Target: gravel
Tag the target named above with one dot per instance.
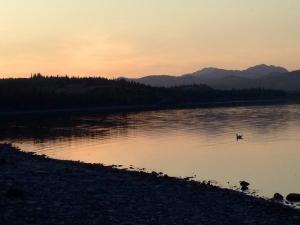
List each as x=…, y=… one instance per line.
x=36, y=190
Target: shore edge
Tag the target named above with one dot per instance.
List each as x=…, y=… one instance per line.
x=35, y=187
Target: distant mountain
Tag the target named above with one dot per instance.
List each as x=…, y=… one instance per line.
x=262, y=70
x=251, y=73
x=260, y=76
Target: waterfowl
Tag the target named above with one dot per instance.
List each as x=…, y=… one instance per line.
x=239, y=137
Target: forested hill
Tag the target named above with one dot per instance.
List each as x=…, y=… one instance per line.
x=39, y=92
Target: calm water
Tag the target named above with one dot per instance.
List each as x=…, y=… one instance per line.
x=183, y=143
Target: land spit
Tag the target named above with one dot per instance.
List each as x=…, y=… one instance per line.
x=36, y=190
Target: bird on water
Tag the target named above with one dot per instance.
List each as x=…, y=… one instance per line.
x=239, y=137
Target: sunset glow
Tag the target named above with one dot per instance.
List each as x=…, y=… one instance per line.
x=140, y=37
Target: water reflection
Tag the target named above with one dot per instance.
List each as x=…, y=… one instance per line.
x=178, y=142
x=214, y=121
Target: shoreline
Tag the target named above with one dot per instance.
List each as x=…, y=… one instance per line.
x=39, y=190
x=134, y=108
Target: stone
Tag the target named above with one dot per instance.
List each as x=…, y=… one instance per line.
x=293, y=197
x=244, y=185
x=15, y=193
x=278, y=197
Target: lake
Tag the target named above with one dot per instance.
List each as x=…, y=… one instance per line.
x=188, y=142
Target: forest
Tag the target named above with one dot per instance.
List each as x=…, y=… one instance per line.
x=56, y=92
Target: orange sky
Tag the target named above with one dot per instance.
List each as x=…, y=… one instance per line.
x=138, y=37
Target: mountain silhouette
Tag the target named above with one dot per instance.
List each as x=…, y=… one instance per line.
x=252, y=72
x=260, y=76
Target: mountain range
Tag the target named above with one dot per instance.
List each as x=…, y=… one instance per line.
x=260, y=76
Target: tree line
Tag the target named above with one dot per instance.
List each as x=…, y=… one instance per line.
x=45, y=92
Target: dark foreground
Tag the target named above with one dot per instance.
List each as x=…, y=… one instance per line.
x=37, y=190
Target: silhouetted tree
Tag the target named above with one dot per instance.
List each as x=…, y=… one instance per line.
x=41, y=92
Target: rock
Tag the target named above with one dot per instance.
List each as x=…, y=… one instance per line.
x=2, y=161
x=15, y=193
x=293, y=197
x=154, y=174
x=41, y=172
x=188, y=178
x=244, y=185
x=278, y=197
x=31, y=202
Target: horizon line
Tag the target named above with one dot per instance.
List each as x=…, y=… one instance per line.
x=114, y=76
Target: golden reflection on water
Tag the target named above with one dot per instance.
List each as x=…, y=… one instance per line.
x=197, y=142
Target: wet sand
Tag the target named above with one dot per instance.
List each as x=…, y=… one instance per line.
x=39, y=190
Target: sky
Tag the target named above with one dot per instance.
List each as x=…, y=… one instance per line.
x=133, y=38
